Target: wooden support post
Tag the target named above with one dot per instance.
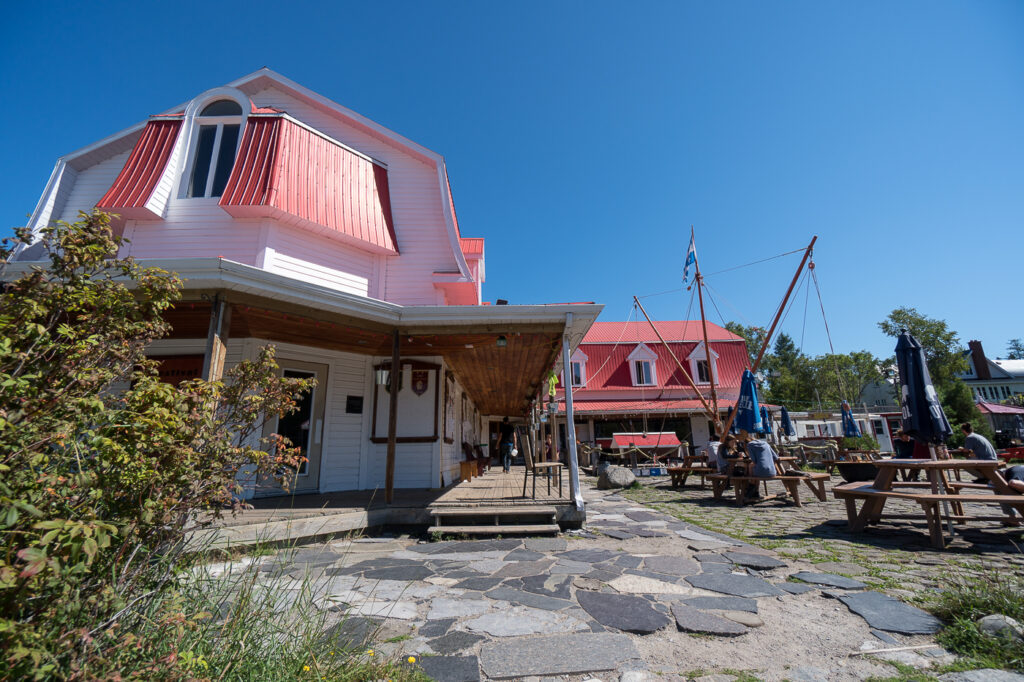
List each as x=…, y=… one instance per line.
x=394, y=379
x=217, y=339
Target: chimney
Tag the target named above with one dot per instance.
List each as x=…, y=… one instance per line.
x=980, y=363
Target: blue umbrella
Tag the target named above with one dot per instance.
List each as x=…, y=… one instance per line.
x=923, y=417
x=748, y=413
x=766, y=421
x=850, y=429
x=787, y=425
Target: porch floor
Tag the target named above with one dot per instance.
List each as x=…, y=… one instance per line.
x=299, y=517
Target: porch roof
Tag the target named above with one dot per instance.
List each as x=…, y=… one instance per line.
x=500, y=380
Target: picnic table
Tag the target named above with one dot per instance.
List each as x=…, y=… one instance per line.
x=692, y=464
x=790, y=480
x=938, y=490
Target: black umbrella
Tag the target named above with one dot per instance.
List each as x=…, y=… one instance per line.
x=923, y=417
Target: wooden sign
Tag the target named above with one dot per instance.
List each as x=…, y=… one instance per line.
x=174, y=369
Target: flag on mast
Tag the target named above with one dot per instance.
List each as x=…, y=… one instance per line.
x=691, y=258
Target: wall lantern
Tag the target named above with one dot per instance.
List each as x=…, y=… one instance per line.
x=502, y=341
x=383, y=376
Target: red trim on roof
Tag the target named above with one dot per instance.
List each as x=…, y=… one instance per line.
x=451, y=202
x=288, y=172
x=640, y=406
x=134, y=185
x=472, y=247
x=667, y=439
x=996, y=408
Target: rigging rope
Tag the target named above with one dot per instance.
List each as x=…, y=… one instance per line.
x=719, y=272
x=831, y=348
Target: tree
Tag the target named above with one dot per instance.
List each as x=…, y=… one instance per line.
x=1015, y=349
x=99, y=488
x=845, y=376
x=754, y=336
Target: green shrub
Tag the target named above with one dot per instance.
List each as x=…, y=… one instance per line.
x=864, y=442
x=99, y=487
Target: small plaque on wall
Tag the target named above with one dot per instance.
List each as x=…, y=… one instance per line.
x=354, y=404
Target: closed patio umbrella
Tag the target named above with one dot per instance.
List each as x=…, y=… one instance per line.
x=850, y=428
x=766, y=421
x=923, y=416
x=787, y=425
x=748, y=412
x=1018, y=426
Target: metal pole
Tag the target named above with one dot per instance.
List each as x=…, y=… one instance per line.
x=570, y=424
x=707, y=346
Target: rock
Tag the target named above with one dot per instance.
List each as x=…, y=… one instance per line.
x=478, y=584
x=454, y=642
x=575, y=654
x=530, y=599
x=751, y=620
x=796, y=588
x=689, y=619
x=636, y=584
x=885, y=613
x=617, y=534
x=829, y=580
x=628, y=561
x=672, y=565
x=722, y=604
x=806, y=673
x=622, y=612
x=844, y=567
x=570, y=568
x=735, y=585
x=546, y=544
x=885, y=637
x=592, y=584
x=549, y=585
x=643, y=516
x=445, y=607
x=588, y=556
x=705, y=545
x=615, y=477
x=717, y=677
x=451, y=668
x=636, y=676
x=523, y=620
x=1000, y=626
x=398, y=573
x=519, y=569
x=982, y=675
x=523, y=555
x=756, y=561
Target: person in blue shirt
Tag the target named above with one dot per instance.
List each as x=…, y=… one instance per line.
x=762, y=458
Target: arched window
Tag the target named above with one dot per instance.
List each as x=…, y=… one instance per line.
x=215, y=145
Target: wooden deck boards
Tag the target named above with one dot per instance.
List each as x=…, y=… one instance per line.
x=496, y=488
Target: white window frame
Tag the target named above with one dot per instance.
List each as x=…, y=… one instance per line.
x=643, y=354
x=577, y=358
x=193, y=122
x=697, y=354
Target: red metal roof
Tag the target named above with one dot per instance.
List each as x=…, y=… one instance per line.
x=284, y=170
x=636, y=332
x=639, y=406
x=135, y=183
x=646, y=440
x=996, y=408
x=472, y=247
x=607, y=367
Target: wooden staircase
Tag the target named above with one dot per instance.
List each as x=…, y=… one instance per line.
x=494, y=520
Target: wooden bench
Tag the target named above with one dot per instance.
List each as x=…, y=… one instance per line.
x=874, y=500
x=679, y=474
x=791, y=482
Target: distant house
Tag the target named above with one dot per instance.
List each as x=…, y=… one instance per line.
x=1003, y=419
x=298, y=222
x=625, y=381
x=992, y=380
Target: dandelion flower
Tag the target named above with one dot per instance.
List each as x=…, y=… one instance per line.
x=369, y=652
x=412, y=659
x=305, y=668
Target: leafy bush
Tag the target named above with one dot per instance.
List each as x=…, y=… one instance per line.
x=100, y=487
x=864, y=442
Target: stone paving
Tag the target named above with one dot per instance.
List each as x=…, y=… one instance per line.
x=671, y=601
x=895, y=556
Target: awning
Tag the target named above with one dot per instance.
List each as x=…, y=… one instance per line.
x=667, y=439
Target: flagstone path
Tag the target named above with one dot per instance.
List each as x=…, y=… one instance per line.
x=672, y=601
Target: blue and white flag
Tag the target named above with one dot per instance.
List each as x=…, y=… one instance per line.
x=691, y=259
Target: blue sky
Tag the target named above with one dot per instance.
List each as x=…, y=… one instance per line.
x=584, y=138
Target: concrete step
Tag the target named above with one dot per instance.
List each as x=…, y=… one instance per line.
x=532, y=529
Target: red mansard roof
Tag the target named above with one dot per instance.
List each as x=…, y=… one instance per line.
x=607, y=367
x=134, y=185
x=637, y=406
x=996, y=408
x=286, y=171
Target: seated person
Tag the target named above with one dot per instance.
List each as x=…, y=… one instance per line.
x=903, y=447
x=976, y=446
x=727, y=453
x=711, y=450
x=762, y=458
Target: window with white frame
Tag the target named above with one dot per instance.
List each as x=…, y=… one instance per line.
x=577, y=374
x=701, y=368
x=577, y=369
x=216, y=142
x=643, y=366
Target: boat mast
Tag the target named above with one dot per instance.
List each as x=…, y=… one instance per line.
x=771, y=330
x=707, y=347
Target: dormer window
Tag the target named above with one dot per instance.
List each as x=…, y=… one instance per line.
x=642, y=366
x=216, y=142
x=577, y=369
x=701, y=369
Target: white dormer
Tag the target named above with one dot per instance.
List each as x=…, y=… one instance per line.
x=577, y=369
x=643, y=366
x=700, y=371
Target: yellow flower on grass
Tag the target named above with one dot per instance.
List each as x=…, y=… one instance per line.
x=369, y=652
x=305, y=668
x=412, y=659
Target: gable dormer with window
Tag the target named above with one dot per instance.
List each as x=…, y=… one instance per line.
x=577, y=369
x=643, y=367
x=214, y=143
x=701, y=370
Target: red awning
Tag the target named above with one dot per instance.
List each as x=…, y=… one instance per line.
x=134, y=185
x=666, y=439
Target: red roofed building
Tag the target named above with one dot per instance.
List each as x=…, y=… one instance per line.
x=625, y=379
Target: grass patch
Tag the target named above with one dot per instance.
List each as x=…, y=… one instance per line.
x=969, y=598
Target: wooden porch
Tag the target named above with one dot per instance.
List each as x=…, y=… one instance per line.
x=305, y=518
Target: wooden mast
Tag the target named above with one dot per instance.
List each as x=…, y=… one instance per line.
x=686, y=375
x=704, y=326
x=771, y=330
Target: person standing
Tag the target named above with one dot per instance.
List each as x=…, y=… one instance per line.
x=507, y=441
